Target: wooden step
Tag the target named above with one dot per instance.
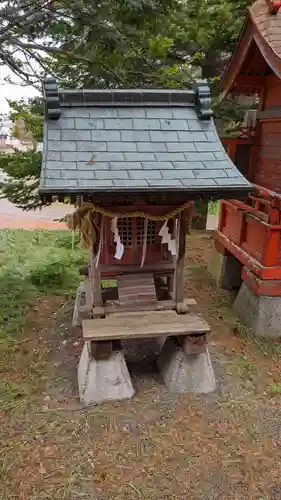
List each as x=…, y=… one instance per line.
x=136, y=288
x=143, y=325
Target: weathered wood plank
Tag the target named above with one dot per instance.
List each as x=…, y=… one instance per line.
x=159, y=305
x=193, y=344
x=160, y=268
x=98, y=312
x=95, y=278
x=129, y=280
x=133, y=297
x=130, y=290
x=134, y=283
x=182, y=307
x=184, y=221
x=136, y=288
x=144, y=325
x=101, y=350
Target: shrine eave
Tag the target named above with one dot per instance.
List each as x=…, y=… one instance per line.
x=261, y=33
x=134, y=141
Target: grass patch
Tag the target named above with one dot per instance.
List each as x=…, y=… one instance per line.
x=274, y=389
x=109, y=284
x=32, y=264
x=246, y=369
x=214, y=207
x=267, y=347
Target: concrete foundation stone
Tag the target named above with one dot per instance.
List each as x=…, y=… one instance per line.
x=102, y=380
x=260, y=313
x=83, y=303
x=226, y=270
x=184, y=373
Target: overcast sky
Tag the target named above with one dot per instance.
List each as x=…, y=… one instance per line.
x=15, y=92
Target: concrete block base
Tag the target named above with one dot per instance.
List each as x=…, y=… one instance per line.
x=105, y=379
x=184, y=373
x=226, y=270
x=260, y=313
x=82, y=307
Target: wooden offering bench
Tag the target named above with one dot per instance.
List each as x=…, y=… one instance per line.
x=134, y=160
x=144, y=305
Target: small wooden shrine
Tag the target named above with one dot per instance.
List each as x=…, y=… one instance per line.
x=134, y=161
x=249, y=231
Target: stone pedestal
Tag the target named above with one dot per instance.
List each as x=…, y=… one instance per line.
x=184, y=373
x=83, y=303
x=226, y=270
x=105, y=379
x=260, y=313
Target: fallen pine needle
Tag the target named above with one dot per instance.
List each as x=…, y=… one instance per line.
x=135, y=489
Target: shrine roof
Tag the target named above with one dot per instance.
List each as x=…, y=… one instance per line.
x=268, y=25
x=258, y=49
x=136, y=141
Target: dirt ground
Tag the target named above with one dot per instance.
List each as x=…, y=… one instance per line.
x=14, y=218
x=224, y=446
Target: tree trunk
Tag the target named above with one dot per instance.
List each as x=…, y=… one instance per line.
x=211, y=67
x=200, y=220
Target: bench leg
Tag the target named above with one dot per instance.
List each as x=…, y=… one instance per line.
x=185, y=373
x=103, y=379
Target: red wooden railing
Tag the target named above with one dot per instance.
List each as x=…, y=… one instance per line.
x=251, y=230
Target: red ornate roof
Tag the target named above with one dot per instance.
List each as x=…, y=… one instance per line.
x=258, y=50
x=268, y=25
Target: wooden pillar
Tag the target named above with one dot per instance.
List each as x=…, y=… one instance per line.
x=99, y=350
x=170, y=279
x=184, y=223
x=94, y=270
x=95, y=278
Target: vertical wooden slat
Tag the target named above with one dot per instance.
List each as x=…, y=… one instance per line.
x=95, y=280
x=184, y=221
x=271, y=247
x=274, y=212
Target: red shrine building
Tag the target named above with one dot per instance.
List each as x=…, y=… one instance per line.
x=249, y=233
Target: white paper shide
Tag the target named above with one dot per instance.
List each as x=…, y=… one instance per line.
x=167, y=238
x=116, y=238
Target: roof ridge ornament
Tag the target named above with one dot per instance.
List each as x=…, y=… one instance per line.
x=274, y=6
x=203, y=100
x=51, y=97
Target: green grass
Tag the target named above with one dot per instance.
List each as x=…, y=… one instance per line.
x=274, y=389
x=214, y=207
x=32, y=264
